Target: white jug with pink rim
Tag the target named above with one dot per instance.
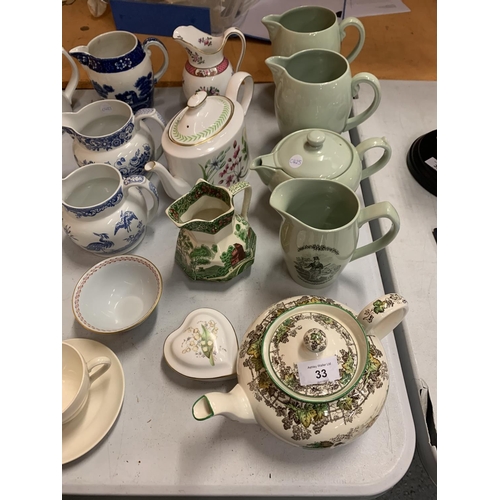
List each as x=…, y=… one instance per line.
x=207, y=68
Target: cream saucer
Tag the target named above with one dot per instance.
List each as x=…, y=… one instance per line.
x=105, y=400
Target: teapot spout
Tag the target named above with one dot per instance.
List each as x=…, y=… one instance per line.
x=175, y=187
x=81, y=54
x=234, y=405
x=264, y=166
x=272, y=24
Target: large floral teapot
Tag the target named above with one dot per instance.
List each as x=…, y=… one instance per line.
x=311, y=371
x=207, y=140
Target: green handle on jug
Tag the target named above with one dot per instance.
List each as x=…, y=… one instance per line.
x=356, y=23
x=380, y=210
x=371, y=80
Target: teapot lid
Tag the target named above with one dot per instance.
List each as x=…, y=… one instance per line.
x=203, y=118
x=315, y=153
x=316, y=352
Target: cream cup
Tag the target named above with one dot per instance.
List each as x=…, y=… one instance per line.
x=77, y=377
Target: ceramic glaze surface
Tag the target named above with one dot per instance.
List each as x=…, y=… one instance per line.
x=206, y=69
x=77, y=377
x=204, y=347
x=117, y=294
x=320, y=228
x=119, y=67
x=103, y=405
x=321, y=154
x=67, y=93
x=314, y=89
x=100, y=211
x=315, y=415
x=310, y=27
x=109, y=132
x=207, y=140
x=214, y=243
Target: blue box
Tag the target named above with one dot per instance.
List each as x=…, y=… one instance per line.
x=160, y=19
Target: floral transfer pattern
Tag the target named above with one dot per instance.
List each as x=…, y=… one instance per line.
x=380, y=306
x=108, y=142
x=179, y=207
x=236, y=167
x=96, y=209
x=303, y=421
x=289, y=373
x=112, y=64
x=134, y=165
x=202, y=341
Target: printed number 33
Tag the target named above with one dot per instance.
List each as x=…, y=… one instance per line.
x=320, y=373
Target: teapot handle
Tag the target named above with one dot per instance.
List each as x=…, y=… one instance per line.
x=237, y=32
x=240, y=186
x=374, y=142
x=145, y=184
x=144, y=113
x=381, y=316
x=371, y=80
x=234, y=86
x=157, y=43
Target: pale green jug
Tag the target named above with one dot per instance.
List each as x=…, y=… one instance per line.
x=310, y=27
x=314, y=89
x=320, y=228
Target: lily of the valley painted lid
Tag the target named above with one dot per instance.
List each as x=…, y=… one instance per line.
x=315, y=353
x=313, y=153
x=203, y=118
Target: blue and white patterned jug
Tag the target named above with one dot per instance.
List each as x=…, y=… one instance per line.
x=107, y=131
x=101, y=214
x=119, y=67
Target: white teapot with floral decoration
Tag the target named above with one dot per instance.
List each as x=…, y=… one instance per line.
x=311, y=371
x=207, y=140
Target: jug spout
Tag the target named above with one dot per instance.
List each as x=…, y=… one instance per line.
x=175, y=187
x=234, y=405
x=273, y=25
x=69, y=123
x=277, y=65
x=81, y=54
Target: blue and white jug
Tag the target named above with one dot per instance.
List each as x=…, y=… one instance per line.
x=119, y=67
x=101, y=214
x=109, y=132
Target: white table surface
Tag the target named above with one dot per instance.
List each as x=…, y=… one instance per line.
x=155, y=446
x=407, y=111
